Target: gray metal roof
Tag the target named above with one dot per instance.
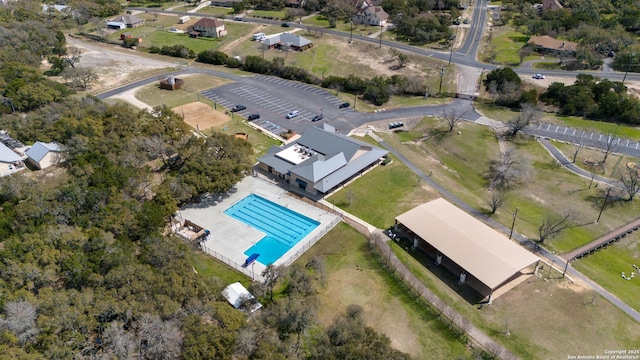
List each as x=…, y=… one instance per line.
x=39, y=150
x=7, y=155
x=286, y=39
x=334, y=161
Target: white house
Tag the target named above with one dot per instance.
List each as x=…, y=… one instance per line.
x=42, y=155
x=371, y=15
x=236, y=295
x=10, y=162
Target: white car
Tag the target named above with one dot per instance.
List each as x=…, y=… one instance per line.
x=293, y=114
x=538, y=76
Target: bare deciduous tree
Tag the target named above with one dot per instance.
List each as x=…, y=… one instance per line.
x=158, y=339
x=553, y=224
x=496, y=201
x=73, y=56
x=526, y=116
x=452, y=116
x=350, y=195
x=118, y=342
x=577, y=146
x=20, y=319
x=610, y=144
x=506, y=172
x=271, y=276
x=631, y=182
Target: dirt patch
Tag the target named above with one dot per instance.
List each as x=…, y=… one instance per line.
x=201, y=116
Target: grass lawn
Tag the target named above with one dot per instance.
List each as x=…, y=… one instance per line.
x=382, y=194
x=154, y=96
x=213, y=270
x=605, y=267
x=506, y=42
x=355, y=276
x=546, y=320
x=611, y=168
x=457, y=162
x=317, y=20
x=547, y=65
x=216, y=10
x=259, y=141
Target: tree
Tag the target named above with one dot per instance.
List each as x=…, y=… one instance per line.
x=524, y=51
x=577, y=146
x=80, y=78
x=610, y=144
x=158, y=339
x=526, y=116
x=271, y=276
x=506, y=172
x=73, y=56
x=57, y=64
x=118, y=342
x=496, y=201
x=553, y=224
x=631, y=182
x=452, y=116
x=20, y=319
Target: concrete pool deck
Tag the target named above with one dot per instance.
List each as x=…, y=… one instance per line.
x=230, y=238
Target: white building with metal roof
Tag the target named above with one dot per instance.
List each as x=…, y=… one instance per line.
x=10, y=162
x=320, y=161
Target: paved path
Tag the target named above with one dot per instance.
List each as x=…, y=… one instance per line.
x=604, y=239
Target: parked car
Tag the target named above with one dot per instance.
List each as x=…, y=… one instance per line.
x=285, y=25
x=465, y=21
x=293, y=114
x=317, y=118
x=344, y=105
x=238, y=107
x=538, y=76
x=253, y=117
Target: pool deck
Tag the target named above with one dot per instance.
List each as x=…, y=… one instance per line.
x=231, y=238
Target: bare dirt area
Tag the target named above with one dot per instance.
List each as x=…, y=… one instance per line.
x=201, y=116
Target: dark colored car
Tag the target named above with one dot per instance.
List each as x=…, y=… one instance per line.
x=238, y=107
x=253, y=117
x=285, y=25
x=317, y=118
x=344, y=105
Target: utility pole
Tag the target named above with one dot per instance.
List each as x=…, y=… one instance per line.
x=633, y=56
x=513, y=224
x=351, y=33
x=442, y=71
x=381, y=28
x=453, y=43
x=604, y=203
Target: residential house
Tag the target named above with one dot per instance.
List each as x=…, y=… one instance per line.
x=548, y=45
x=131, y=21
x=126, y=35
x=294, y=41
x=550, y=5
x=295, y=3
x=42, y=155
x=371, y=15
x=320, y=161
x=10, y=162
x=207, y=27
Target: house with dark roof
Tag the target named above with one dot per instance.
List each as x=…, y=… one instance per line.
x=42, y=155
x=224, y=3
x=371, y=15
x=320, y=161
x=548, y=45
x=206, y=27
x=10, y=162
x=293, y=41
x=130, y=21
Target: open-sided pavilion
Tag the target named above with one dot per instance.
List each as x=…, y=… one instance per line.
x=485, y=259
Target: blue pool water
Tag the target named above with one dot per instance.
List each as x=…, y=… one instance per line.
x=284, y=228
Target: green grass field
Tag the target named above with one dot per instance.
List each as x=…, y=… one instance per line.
x=216, y=10
x=153, y=95
x=355, y=276
x=506, y=42
x=275, y=14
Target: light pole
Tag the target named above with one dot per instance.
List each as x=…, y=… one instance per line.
x=513, y=224
x=633, y=57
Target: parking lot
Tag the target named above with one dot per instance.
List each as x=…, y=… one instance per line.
x=273, y=98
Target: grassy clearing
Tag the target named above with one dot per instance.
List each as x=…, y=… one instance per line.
x=547, y=65
x=355, y=276
x=216, y=10
x=154, y=96
x=611, y=168
x=605, y=267
x=506, y=42
x=317, y=20
x=213, y=270
x=546, y=320
x=259, y=141
x=382, y=194
x=275, y=14
x=458, y=163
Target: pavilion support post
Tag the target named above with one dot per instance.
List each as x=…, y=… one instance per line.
x=395, y=225
x=438, y=259
x=415, y=242
x=535, y=271
x=490, y=298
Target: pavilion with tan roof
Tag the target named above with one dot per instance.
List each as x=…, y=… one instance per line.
x=485, y=259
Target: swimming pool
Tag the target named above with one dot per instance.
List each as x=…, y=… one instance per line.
x=283, y=227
